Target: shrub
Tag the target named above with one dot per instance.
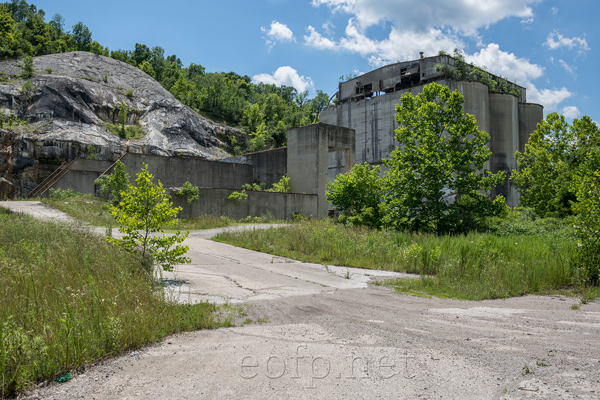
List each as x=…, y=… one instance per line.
x=144, y=209
x=239, y=196
x=113, y=185
x=189, y=192
x=357, y=195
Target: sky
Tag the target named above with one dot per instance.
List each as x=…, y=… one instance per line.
x=548, y=46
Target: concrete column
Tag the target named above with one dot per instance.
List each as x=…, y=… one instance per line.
x=504, y=142
x=529, y=116
x=308, y=161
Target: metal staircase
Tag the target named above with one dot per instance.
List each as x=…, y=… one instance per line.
x=51, y=179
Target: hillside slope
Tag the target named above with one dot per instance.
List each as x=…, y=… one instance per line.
x=68, y=103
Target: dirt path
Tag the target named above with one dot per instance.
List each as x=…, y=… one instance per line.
x=326, y=336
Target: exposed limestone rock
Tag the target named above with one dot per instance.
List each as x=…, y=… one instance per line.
x=71, y=99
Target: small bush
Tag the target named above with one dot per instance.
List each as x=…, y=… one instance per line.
x=357, y=195
x=239, y=196
x=112, y=185
x=189, y=192
x=27, y=67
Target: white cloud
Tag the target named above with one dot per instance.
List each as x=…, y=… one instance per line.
x=569, y=68
x=463, y=15
x=571, y=112
x=278, y=32
x=287, y=76
x=314, y=39
x=386, y=51
x=549, y=98
x=498, y=62
x=433, y=25
x=554, y=10
x=555, y=41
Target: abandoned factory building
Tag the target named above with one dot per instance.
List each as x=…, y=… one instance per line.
x=367, y=105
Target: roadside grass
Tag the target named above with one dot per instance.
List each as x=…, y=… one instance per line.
x=68, y=298
x=475, y=266
x=83, y=207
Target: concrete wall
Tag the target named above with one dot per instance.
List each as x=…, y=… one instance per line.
x=269, y=165
x=81, y=176
x=308, y=158
x=258, y=204
x=174, y=171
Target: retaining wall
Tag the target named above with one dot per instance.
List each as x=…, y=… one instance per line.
x=258, y=204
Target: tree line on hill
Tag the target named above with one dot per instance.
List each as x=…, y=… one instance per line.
x=264, y=111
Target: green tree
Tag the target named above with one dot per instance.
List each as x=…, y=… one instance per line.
x=115, y=184
x=147, y=68
x=123, y=110
x=81, y=36
x=586, y=184
x=259, y=139
x=436, y=176
x=551, y=157
x=144, y=210
x=357, y=195
x=27, y=67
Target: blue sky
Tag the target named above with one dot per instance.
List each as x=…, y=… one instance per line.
x=548, y=46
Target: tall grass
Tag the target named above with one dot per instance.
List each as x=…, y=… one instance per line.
x=473, y=266
x=83, y=207
x=68, y=298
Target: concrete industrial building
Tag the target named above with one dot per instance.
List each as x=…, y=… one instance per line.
x=367, y=105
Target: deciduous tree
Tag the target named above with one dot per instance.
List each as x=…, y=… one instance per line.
x=551, y=157
x=436, y=180
x=145, y=209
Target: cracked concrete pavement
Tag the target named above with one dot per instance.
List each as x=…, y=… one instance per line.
x=328, y=336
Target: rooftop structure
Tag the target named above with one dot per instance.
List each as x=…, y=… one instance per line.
x=405, y=75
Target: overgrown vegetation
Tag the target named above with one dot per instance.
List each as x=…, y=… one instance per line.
x=124, y=131
x=189, y=192
x=265, y=112
x=112, y=185
x=435, y=180
x=469, y=71
x=586, y=185
x=85, y=208
x=550, y=161
x=68, y=298
x=283, y=186
x=497, y=264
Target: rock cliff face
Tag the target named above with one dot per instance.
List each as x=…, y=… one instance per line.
x=67, y=104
